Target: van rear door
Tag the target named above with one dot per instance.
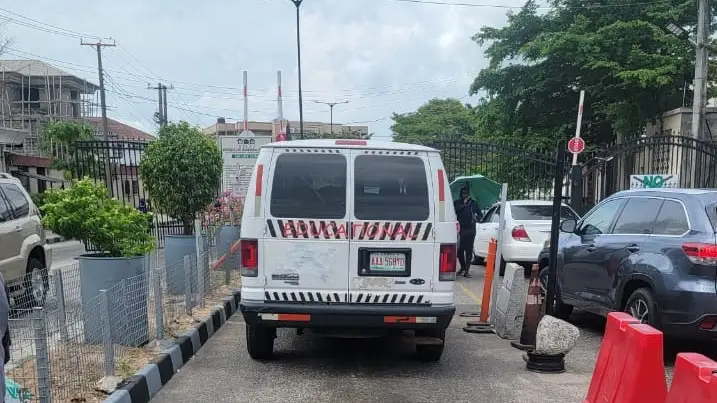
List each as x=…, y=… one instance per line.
x=392, y=258
x=306, y=246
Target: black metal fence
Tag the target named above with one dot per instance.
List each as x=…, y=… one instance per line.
x=655, y=161
x=530, y=174
x=122, y=157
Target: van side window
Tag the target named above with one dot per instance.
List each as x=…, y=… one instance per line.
x=392, y=188
x=671, y=220
x=309, y=186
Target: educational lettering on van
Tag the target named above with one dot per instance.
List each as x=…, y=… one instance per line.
x=363, y=231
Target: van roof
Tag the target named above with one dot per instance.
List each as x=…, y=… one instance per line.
x=332, y=143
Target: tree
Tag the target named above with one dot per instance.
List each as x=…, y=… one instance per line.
x=630, y=66
x=182, y=172
x=60, y=138
x=438, y=119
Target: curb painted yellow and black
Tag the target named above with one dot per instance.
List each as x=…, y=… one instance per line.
x=143, y=385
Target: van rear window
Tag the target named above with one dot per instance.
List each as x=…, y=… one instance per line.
x=388, y=187
x=309, y=186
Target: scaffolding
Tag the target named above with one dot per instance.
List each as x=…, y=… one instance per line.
x=34, y=94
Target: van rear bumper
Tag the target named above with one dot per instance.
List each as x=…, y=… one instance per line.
x=346, y=316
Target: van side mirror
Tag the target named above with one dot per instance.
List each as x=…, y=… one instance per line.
x=569, y=225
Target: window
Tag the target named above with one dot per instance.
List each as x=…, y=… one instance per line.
x=671, y=220
x=598, y=221
x=135, y=186
x=539, y=213
x=638, y=216
x=4, y=210
x=712, y=214
x=495, y=217
x=309, y=186
x=125, y=187
x=390, y=188
x=489, y=214
x=17, y=200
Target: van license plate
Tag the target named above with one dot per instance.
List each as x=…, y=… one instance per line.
x=388, y=262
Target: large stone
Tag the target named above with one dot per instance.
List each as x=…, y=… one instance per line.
x=510, y=303
x=108, y=384
x=555, y=336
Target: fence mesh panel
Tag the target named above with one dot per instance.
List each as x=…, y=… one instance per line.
x=64, y=346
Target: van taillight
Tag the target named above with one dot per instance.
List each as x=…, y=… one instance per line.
x=249, y=254
x=447, y=262
x=701, y=253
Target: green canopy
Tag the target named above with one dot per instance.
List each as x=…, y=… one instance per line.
x=483, y=190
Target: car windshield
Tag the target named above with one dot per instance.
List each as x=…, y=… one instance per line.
x=539, y=212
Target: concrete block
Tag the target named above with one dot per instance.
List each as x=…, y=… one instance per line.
x=510, y=303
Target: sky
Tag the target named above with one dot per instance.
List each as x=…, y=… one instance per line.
x=382, y=56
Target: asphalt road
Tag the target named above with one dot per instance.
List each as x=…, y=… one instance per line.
x=474, y=368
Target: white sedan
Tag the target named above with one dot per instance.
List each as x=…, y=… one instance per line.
x=527, y=227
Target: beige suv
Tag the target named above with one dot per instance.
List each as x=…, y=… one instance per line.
x=23, y=257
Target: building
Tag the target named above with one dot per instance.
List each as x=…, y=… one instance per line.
x=34, y=93
x=311, y=129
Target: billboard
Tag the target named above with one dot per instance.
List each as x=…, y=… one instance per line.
x=239, y=155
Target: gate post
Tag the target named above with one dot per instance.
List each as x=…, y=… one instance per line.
x=576, y=189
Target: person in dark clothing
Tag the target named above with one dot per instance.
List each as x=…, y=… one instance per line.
x=468, y=215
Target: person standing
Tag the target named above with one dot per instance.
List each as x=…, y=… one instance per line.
x=468, y=215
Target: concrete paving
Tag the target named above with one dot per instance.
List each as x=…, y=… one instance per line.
x=474, y=368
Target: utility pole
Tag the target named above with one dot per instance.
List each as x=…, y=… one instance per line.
x=297, y=3
x=331, y=108
x=103, y=105
x=162, y=119
x=701, y=69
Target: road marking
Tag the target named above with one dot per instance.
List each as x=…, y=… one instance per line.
x=469, y=293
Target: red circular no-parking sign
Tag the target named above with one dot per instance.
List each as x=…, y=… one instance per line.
x=576, y=145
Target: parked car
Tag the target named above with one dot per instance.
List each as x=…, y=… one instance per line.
x=649, y=252
x=527, y=226
x=23, y=257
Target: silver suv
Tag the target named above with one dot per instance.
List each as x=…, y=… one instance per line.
x=23, y=256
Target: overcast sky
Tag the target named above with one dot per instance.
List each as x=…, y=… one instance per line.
x=382, y=56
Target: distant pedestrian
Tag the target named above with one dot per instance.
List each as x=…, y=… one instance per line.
x=5, y=331
x=468, y=215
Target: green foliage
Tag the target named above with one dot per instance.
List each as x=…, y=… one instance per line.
x=85, y=212
x=630, y=66
x=439, y=119
x=39, y=199
x=59, y=140
x=182, y=172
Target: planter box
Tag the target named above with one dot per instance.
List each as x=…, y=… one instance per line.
x=175, y=248
x=227, y=235
x=126, y=282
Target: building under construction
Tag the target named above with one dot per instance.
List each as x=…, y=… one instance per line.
x=33, y=94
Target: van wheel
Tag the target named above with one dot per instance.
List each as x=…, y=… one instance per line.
x=260, y=341
x=35, y=285
x=431, y=352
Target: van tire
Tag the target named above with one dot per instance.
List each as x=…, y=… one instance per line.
x=431, y=352
x=260, y=341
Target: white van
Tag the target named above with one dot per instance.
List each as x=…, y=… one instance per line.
x=348, y=237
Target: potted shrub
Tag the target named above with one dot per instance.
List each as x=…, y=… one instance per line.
x=182, y=172
x=121, y=236
x=223, y=220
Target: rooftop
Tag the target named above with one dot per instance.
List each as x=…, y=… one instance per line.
x=122, y=130
x=359, y=144
x=39, y=68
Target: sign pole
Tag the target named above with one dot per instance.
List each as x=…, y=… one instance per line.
x=580, y=122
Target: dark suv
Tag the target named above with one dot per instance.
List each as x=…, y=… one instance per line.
x=649, y=252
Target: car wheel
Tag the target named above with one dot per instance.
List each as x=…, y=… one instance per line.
x=260, y=341
x=35, y=285
x=477, y=260
x=560, y=310
x=431, y=352
x=641, y=305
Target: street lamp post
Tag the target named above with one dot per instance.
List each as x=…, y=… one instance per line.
x=331, y=108
x=297, y=3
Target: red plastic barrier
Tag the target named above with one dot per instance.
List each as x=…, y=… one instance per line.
x=630, y=358
x=694, y=380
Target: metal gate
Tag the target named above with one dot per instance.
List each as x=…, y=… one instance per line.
x=122, y=157
x=530, y=174
x=677, y=161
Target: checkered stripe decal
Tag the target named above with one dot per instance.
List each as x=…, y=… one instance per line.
x=361, y=231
